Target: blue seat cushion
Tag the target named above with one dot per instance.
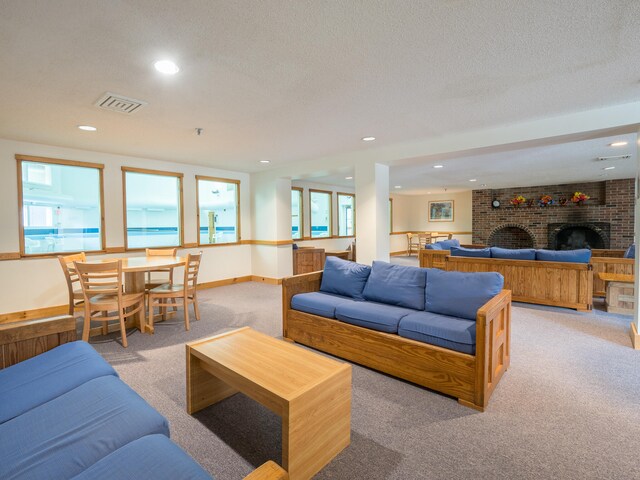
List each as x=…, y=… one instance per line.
x=513, y=253
x=152, y=456
x=433, y=246
x=343, y=277
x=396, y=285
x=68, y=434
x=447, y=244
x=448, y=332
x=318, y=303
x=471, y=252
x=460, y=294
x=37, y=380
x=631, y=251
x=582, y=255
x=376, y=316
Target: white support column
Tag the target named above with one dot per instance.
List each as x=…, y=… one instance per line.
x=372, y=212
x=635, y=325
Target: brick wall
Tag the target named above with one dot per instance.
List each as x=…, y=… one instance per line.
x=611, y=201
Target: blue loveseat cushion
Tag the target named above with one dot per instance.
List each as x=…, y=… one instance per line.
x=376, y=316
x=447, y=244
x=318, y=303
x=37, y=380
x=152, y=456
x=433, y=246
x=448, y=332
x=513, y=253
x=68, y=434
x=344, y=278
x=471, y=252
x=396, y=285
x=631, y=251
x=582, y=255
x=460, y=294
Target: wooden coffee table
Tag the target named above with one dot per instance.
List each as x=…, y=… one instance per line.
x=311, y=393
x=620, y=290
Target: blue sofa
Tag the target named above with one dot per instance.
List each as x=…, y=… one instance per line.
x=432, y=327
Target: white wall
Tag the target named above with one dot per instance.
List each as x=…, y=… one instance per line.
x=35, y=283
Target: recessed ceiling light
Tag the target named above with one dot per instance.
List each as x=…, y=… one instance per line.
x=618, y=144
x=438, y=166
x=348, y=178
x=167, y=67
x=608, y=168
x=265, y=161
x=398, y=186
x=473, y=179
x=368, y=139
x=87, y=128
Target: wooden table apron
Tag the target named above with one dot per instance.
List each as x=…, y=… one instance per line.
x=134, y=269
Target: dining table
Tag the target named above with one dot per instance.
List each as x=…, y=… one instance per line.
x=134, y=269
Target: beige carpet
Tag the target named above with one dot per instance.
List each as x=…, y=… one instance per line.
x=568, y=408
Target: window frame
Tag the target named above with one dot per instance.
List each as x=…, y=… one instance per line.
x=69, y=163
x=352, y=195
x=313, y=190
x=390, y=216
x=224, y=180
x=301, y=213
x=146, y=171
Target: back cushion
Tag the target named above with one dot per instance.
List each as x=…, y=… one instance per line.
x=396, y=285
x=513, y=254
x=631, y=251
x=470, y=252
x=447, y=244
x=433, y=246
x=573, y=256
x=460, y=294
x=344, y=278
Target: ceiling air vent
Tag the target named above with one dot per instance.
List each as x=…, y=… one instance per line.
x=119, y=103
x=615, y=157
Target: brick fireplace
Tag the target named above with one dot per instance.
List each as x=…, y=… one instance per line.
x=605, y=221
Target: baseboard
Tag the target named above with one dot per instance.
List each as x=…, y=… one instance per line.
x=635, y=337
x=269, y=280
x=223, y=282
x=34, y=314
x=401, y=253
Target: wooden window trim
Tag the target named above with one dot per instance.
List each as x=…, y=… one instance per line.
x=391, y=217
x=301, y=212
x=313, y=190
x=344, y=194
x=69, y=163
x=145, y=171
x=238, y=216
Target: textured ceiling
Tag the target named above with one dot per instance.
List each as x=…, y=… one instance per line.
x=289, y=81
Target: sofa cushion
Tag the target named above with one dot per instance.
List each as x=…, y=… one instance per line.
x=631, y=251
x=376, y=316
x=513, y=253
x=582, y=255
x=449, y=332
x=460, y=294
x=318, y=303
x=433, y=246
x=396, y=285
x=152, y=456
x=44, y=377
x=471, y=252
x=68, y=434
x=343, y=277
x=447, y=244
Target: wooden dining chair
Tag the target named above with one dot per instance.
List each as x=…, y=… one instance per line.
x=102, y=288
x=412, y=243
x=423, y=240
x=159, y=252
x=164, y=295
x=76, y=297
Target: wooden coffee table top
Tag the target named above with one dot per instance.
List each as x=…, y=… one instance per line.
x=279, y=367
x=616, y=277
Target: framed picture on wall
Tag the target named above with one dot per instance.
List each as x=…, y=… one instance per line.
x=441, y=211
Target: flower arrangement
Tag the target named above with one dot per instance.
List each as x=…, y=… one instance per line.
x=545, y=200
x=579, y=198
x=517, y=201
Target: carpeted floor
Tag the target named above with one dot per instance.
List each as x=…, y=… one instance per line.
x=568, y=408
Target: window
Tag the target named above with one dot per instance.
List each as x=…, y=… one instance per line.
x=153, y=208
x=218, y=210
x=391, y=215
x=297, y=218
x=320, y=206
x=61, y=205
x=346, y=214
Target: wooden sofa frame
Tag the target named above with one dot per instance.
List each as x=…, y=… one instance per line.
x=469, y=378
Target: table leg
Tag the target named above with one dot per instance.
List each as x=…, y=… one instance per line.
x=203, y=388
x=317, y=426
x=134, y=283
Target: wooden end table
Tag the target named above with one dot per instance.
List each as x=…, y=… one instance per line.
x=312, y=393
x=620, y=290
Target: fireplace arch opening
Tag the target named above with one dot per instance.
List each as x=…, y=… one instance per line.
x=572, y=236
x=512, y=236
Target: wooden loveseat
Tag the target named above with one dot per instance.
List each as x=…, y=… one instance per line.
x=470, y=378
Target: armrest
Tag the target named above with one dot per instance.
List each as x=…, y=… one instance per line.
x=28, y=329
x=491, y=309
x=305, y=283
x=268, y=471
